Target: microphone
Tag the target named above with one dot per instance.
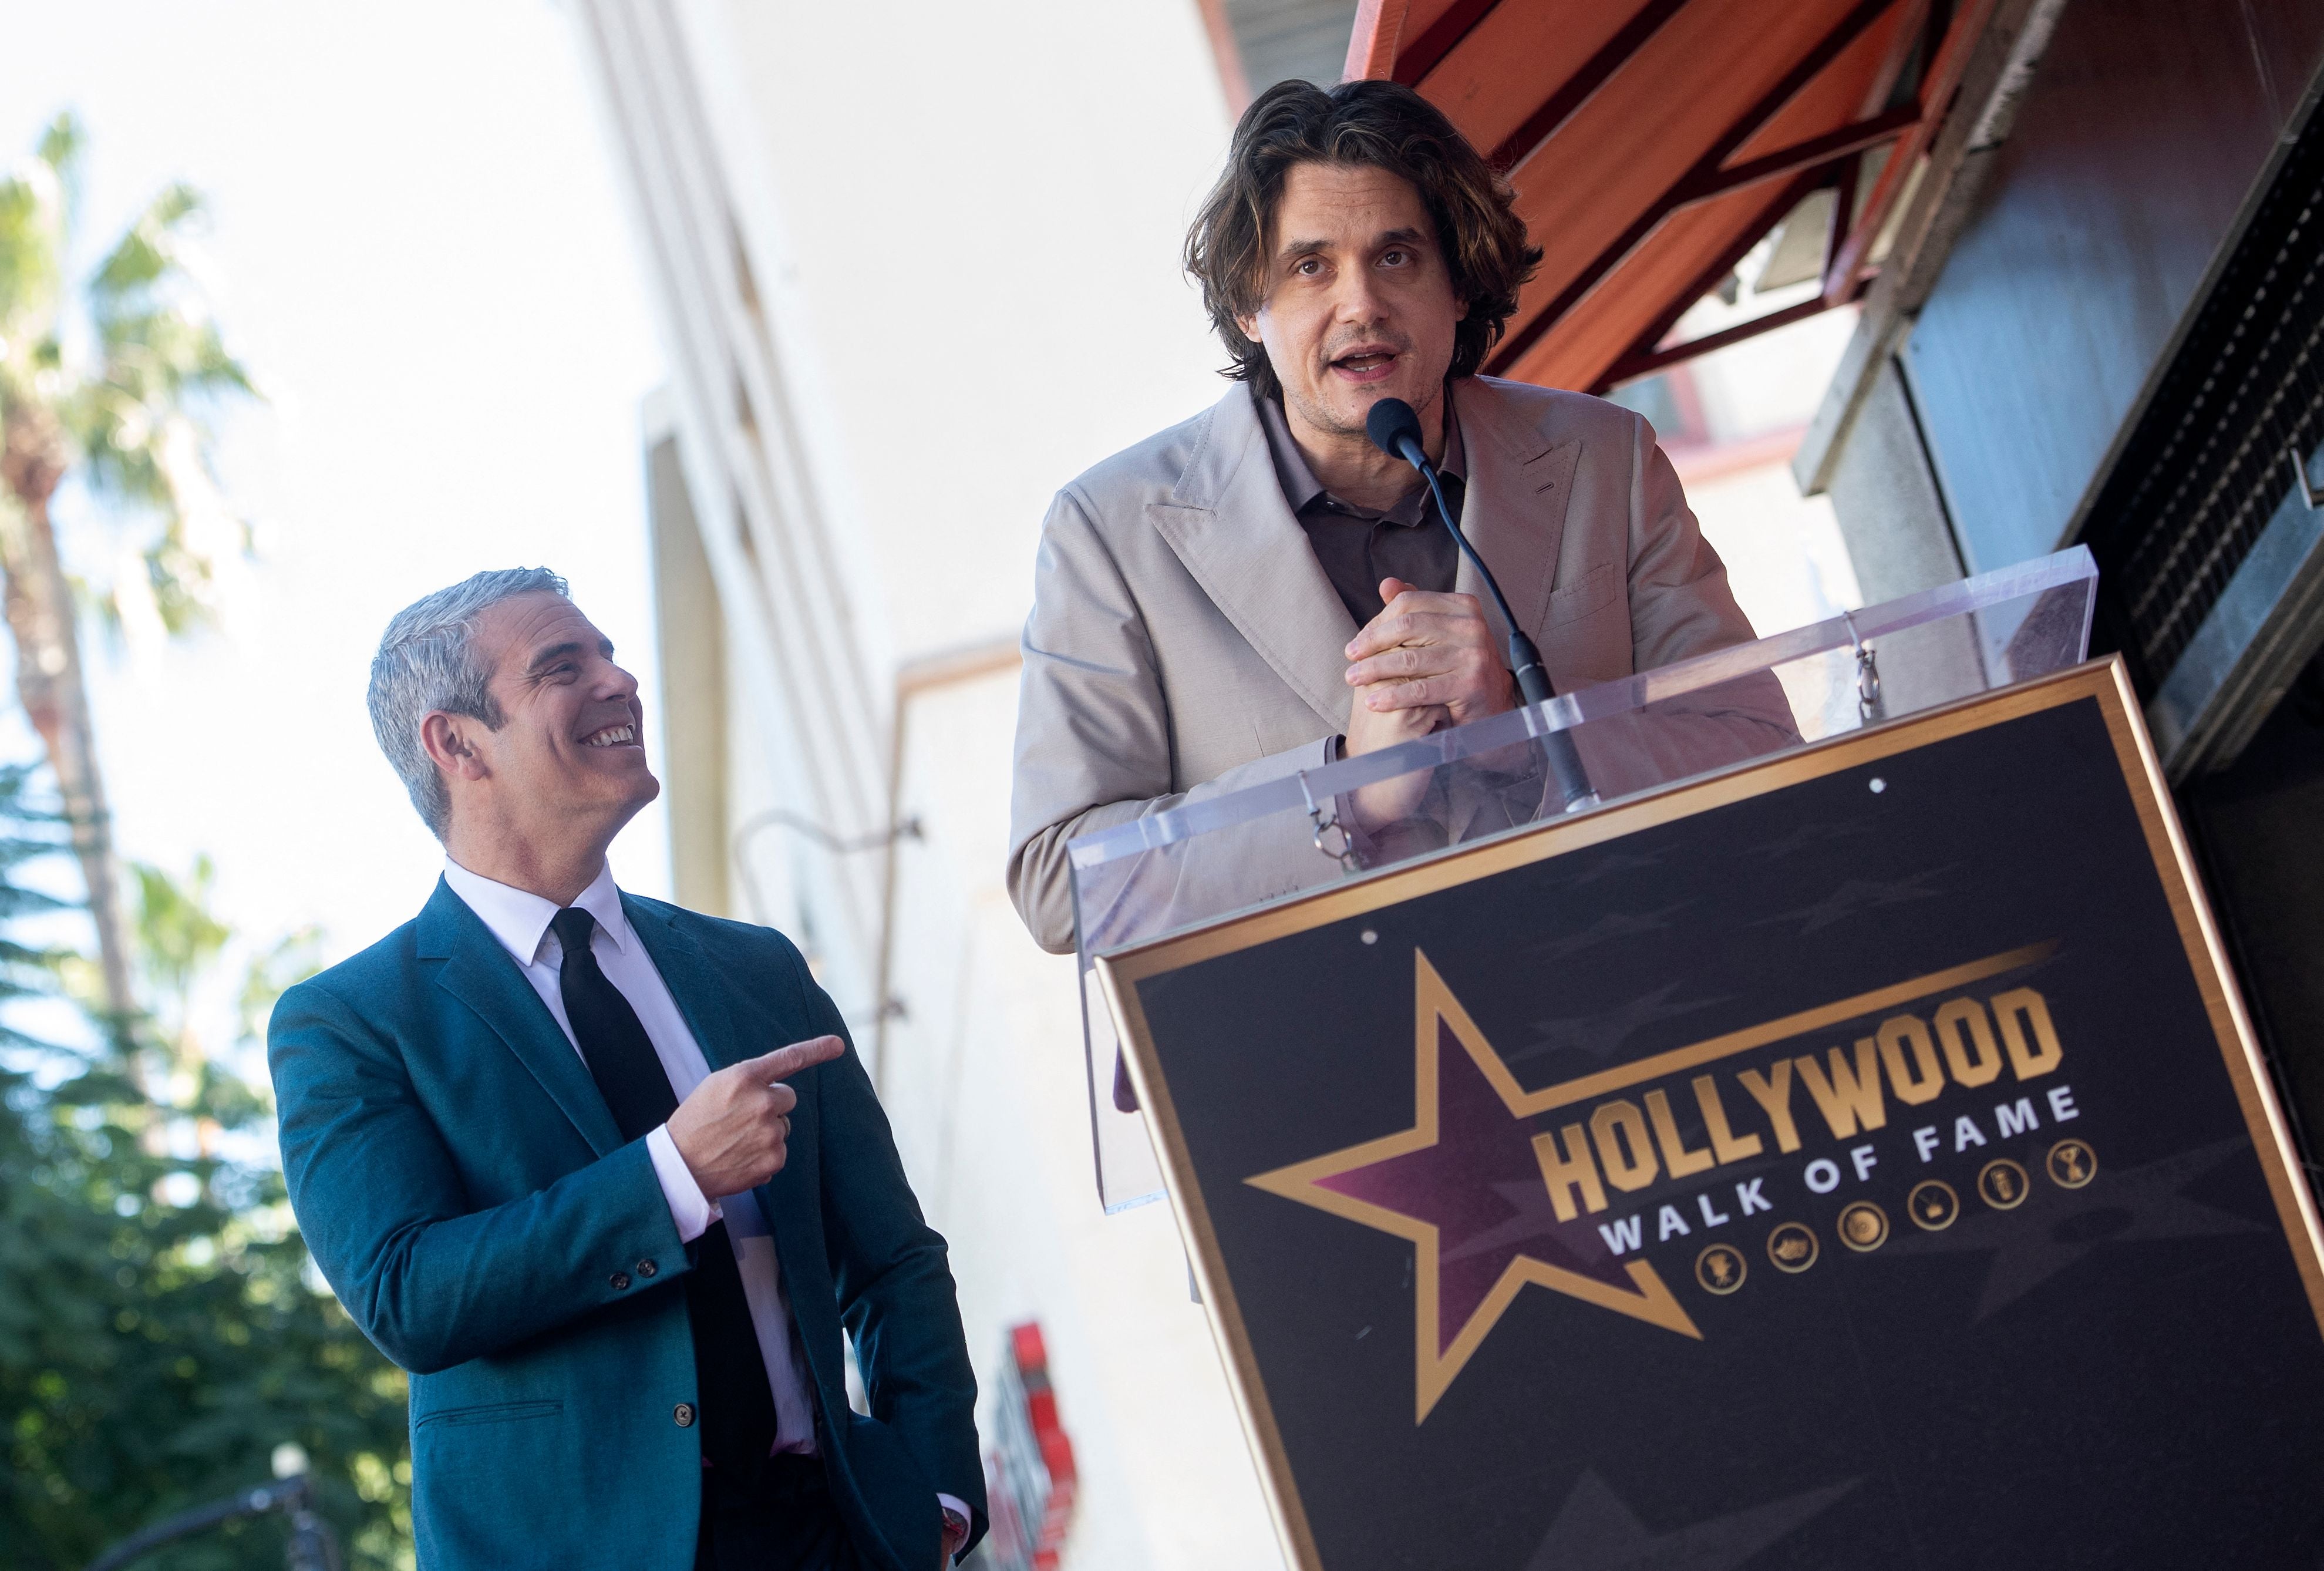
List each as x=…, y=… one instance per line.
x=1395, y=429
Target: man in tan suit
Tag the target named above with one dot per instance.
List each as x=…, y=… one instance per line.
x=1260, y=590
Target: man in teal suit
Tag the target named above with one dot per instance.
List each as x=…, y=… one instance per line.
x=606, y=1176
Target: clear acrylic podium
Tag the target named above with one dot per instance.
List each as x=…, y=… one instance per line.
x=1227, y=855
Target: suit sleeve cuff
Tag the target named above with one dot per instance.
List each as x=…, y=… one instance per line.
x=688, y=1208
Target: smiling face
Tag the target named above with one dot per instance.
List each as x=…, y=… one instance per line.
x=1358, y=303
x=567, y=765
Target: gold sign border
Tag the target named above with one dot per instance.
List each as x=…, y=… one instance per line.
x=2106, y=681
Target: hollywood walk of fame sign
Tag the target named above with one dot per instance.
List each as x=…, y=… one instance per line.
x=1860, y=1158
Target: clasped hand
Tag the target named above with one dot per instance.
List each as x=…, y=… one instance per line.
x=734, y=1130
x=1426, y=661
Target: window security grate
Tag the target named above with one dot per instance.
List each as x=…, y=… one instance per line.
x=2240, y=409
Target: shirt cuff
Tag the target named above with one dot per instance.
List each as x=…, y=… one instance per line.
x=958, y=1508
x=688, y=1208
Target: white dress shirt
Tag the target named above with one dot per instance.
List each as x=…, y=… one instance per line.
x=519, y=920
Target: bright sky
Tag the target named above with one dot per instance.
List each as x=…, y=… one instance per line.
x=418, y=246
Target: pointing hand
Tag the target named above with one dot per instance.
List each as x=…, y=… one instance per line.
x=734, y=1130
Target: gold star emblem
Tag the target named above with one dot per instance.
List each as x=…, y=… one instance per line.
x=1466, y=1188
x=1412, y=1184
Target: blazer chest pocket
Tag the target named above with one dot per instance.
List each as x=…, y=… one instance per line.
x=1591, y=591
x=491, y=1413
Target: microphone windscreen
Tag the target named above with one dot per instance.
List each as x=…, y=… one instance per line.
x=1391, y=424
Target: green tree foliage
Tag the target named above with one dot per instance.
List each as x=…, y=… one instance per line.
x=161, y=1331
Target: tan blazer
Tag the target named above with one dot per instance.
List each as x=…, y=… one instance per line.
x=1185, y=640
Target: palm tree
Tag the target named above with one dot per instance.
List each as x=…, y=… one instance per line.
x=115, y=395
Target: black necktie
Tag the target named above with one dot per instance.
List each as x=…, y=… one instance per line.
x=738, y=1410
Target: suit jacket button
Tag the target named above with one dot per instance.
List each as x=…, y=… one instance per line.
x=682, y=1415
x=620, y=1280
x=647, y=1267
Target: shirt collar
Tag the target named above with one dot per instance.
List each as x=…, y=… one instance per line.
x=519, y=918
x=1456, y=451
x=1300, y=486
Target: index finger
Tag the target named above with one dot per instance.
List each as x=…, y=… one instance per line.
x=1440, y=602
x=784, y=1062
x=1394, y=626
x=1367, y=641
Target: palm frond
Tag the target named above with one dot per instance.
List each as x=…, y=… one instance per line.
x=37, y=199
x=15, y=901
x=32, y=241
x=175, y=928
x=160, y=354
x=140, y=416
x=61, y=144
x=150, y=251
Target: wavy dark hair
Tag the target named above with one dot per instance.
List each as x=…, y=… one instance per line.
x=1390, y=127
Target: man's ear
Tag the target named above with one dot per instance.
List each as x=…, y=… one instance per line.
x=450, y=742
x=1460, y=309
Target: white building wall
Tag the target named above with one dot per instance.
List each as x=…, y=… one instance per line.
x=969, y=218
x=916, y=264
x=983, y=1078
x=917, y=267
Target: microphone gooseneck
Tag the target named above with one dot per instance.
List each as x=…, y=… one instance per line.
x=1394, y=429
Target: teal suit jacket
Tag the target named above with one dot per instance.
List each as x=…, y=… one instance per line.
x=463, y=1189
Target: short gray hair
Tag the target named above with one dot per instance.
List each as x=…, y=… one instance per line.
x=426, y=662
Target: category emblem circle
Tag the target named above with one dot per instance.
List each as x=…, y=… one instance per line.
x=2003, y=1184
x=1721, y=1268
x=1863, y=1226
x=2072, y=1164
x=1793, y=1247
x=1932, y=1206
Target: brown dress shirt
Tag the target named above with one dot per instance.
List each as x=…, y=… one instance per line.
x=1359, y=545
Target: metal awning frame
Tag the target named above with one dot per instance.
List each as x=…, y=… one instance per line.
x=1834, y=160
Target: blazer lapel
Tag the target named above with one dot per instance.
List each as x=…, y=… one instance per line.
x=699, y=992
x=1229, y=523
x=479, y=973
x=1514, y=510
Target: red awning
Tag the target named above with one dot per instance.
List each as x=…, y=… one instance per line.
x=1653, y=142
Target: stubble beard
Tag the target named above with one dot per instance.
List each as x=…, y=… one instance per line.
x=1321, y=418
